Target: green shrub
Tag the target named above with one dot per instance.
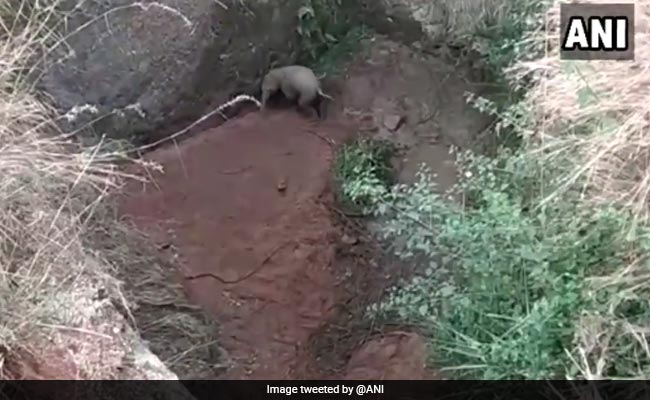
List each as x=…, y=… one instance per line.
x=511, y=35
x=509, y=281
x=363, y=173
x=527, y=277
x=327, y=35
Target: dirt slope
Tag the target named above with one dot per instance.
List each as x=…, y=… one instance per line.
x=245, y=207
x=242, y=199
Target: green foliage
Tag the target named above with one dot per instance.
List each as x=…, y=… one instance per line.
x=363, y=172
x=327, y=35
x=517, y=284
x=513, y=122
x=329, y=61
x=508, y=284
x=509, y=290
x=512, y=36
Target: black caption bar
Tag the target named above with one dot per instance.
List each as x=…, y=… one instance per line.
x=336, y=390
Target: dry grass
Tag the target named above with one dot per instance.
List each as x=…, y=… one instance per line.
x=609, y=98
x=48, y=191
x=176, y=331
x=465, y=17
x=594, y=118
x=63, y=254
x=56, y=292
x=459, y=19
x=595, y=115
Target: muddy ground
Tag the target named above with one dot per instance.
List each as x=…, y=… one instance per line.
x=247, y=209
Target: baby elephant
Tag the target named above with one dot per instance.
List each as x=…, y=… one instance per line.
x=296, y=83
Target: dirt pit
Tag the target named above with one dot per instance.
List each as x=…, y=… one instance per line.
x=245, y=204
x=247, y=210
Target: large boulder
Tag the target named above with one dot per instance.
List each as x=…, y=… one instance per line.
x=135, y=67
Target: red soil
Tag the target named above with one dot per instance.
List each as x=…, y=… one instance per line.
x=244, y=206
x=395, y=356
x=245, y=203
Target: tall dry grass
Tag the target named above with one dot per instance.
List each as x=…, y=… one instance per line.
x=63, y=254
x=49, y=190
x=466, y=17
x=607, y=98
x=594, y=117
x=461, y=20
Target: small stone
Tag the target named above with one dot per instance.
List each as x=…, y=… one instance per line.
x=367, y=118
x=282, y=185
x=393, y=122
x=349, y=240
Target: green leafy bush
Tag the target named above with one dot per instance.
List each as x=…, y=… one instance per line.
x=327, y=35
x=527, y=277
x=510, y=277
x=363, y=172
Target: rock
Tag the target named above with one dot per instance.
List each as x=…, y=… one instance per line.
x=349, y=240
x=367, y=123
x=395, y=356
x=367, y=118
x=282, y=185
x=143, y=65
x=135, y=68
x=393, y=122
